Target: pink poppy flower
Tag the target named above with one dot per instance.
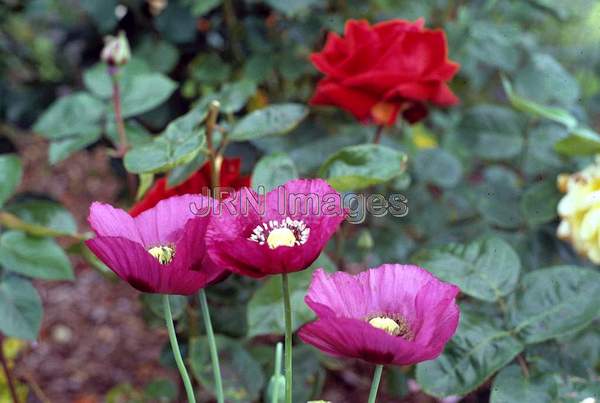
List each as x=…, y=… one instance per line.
x=281, y=232
x=160, y=251
x=394, y=314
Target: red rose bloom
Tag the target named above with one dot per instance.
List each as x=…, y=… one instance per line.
x=198, y=183
x=378, y=71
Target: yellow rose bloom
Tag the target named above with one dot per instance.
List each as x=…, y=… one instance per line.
x=579, y=211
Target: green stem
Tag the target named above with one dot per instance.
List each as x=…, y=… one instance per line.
x=277, y=373
x=288, y=337
x=375, y=384
x=212, y=345
x=189, y=390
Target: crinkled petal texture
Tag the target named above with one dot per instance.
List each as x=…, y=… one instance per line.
x=312, y=201
x=395, y=62
x=344, y=303
x=122, y=243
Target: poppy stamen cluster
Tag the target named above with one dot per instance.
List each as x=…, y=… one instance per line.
x=286, y=232
x=164, y=254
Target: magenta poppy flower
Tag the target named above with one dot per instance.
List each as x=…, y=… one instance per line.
x=394, y=314
x=281, y=232
x=160, y=251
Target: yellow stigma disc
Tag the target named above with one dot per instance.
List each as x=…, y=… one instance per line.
x=281, y=237
x=387, y=324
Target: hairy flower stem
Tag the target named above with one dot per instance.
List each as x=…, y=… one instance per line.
x=8, y=373
x=375, y=384
x=211, y=122
x=187, y=383
x=288, y=337
x=212, y=345
x=116, y=98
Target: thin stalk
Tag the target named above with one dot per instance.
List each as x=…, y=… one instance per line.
x=375, y=384
x=233, y=28
x=211, y=122
x=8, y=373
x=378, y=134
x=116, y=98
x=187, y=383
x=288, y=337
x=277, y=372
x=212, y=345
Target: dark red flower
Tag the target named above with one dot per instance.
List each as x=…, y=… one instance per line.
x=378, y=71
x=198, y=183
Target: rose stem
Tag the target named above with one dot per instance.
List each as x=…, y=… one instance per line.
x=7, y=373
x=276, y=373
x=189, y=390
x=378, y=134
x=288, y=337
x=212, y=345
x=211, y=122
x=116, y=97
x=375, y=384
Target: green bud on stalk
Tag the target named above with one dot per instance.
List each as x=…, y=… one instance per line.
x=116, y=51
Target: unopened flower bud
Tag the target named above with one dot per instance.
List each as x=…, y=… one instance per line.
x=116, y=51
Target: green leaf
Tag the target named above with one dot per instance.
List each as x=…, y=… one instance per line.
x=477, y=350
x=145, y=92
x=233, y=96
x=47, y=214
x=20, y=308
x=485, y=269
x=34, y=257
x=200, y=8
x=273, y=120
x=102, y=13
x=136, y=134
x=535, y=109
x=161, y=390
x=99, y=82
x=145, y=183
x=274, y=170
x=498, y=198
x=555, y=301
x=11, y=172
x=265, y=308
x=361, y=166
x=437, y=166
x=292, y=8
x=511, y=385
x=62, y=148
x=181, y=173
x=539, y=202
x=160, y=55
x=243, y=377
x=70, y=115
x=178, y=145
x=545, y=81
x=581, y=141
x=164, y=390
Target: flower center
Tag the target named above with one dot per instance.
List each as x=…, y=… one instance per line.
x=164, y=254
x=286, y=232
x=395, y=326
